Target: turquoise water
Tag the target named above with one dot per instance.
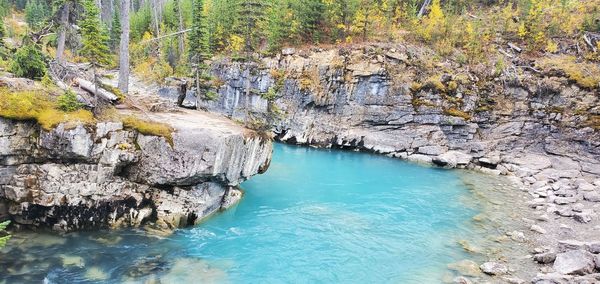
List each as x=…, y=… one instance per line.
x=317, y=216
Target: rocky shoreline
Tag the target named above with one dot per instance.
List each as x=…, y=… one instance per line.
x=537, y=128
x=108, y=176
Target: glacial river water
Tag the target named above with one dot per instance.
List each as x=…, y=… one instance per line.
x=317, y=216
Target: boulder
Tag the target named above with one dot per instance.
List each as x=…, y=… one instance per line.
x=579, y=262
x=432, y=150
x=545, y=258
x=593, y=247
x=592, y=196
x=493, y=268
x=584, y=217
x=452, y=159
x=567, y=245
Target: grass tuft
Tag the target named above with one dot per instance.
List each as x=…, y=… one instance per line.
x=149, y=128
x=457, y=113
x=586, y=75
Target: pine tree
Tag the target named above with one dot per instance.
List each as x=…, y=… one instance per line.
x=311, y=14
x=282, y=25
x=199, y=48
x=94, y=39
x=2, y=31
x=63, y=11
x=115, y=30
x=340, y=14
x=35, y=13
x=250, y=21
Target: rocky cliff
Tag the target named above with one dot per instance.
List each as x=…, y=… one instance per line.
x=109, y=176
x=523, y=117
x=396, y=100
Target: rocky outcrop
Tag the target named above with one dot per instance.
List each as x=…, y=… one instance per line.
x=108, y=176
x=537, y=126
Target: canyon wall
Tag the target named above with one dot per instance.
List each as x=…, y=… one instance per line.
x=397, y=100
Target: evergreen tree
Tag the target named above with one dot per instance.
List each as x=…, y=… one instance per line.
x=340, y=14
x=311, y=14
x=199, y=48
x=115, y=30
x=250, y=21
x=35, y=13
x=94, y=38
x=282, y=25
x=2, y=31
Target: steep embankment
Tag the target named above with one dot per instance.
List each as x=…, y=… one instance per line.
x=105, y=175
x=535, y=119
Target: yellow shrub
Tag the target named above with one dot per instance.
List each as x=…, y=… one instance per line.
x=236, y=43
x=434, y=24
x=435, y=83
x=153, y=70
x=551, y=46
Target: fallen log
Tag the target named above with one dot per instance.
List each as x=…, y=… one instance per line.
x=91, y=87
x=515, y=47
x=588, y=41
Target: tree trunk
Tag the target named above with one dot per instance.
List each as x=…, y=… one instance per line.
x=181, y=36
x=424, y=8
x=156, y=17
x=107, y=12
x=99, y=5
x=124, y=49
x=62, y=32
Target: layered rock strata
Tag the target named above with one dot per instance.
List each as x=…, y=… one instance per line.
x=108, y=176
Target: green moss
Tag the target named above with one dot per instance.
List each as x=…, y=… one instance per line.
x=149, y=128
x=115, y=91
x=211, y=96
x=457, y=113
x=417, y=102
x=39, y=107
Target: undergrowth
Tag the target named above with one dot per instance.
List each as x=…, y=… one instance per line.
x=39, y=107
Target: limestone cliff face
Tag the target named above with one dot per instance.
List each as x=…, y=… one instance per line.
x=394, y=100
x=108, y=176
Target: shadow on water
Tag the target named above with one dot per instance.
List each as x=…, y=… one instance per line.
x=315, y=216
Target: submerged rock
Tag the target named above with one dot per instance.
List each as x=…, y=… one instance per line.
x=72, y=260
x=96, y=274
x=494, y=268
x=465, y=267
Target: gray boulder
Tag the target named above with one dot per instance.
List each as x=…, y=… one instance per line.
x=544, y=258
x=579, y=262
